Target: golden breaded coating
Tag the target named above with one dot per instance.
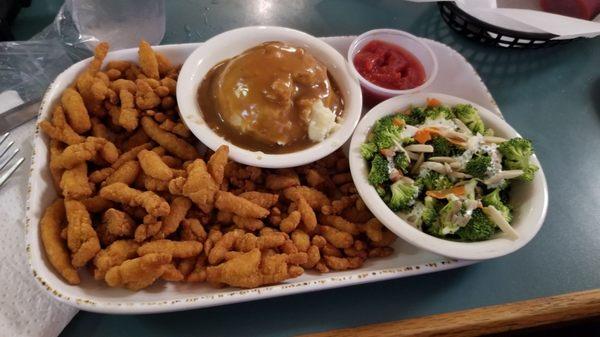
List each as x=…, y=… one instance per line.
x=278, y=182
x=373, y=229
x=179, y=208
x=129, y=116
x=315, y=198
x=250, y=224
x=223, y=245
x=249, y=270
x=301, y=240
x=138, y=273
x=177, y=249
x=199, y=186
x=289, y=223
x=145, y=97
x=59, y=129
x=130, y=155
x=100, y=175
x=149, y=228
x=123, y=84
x=117, y=223
x=309, y=219
x=337, y=238
x=76, y=154
x=339, y=223
x=57, y=253
x=229, y=202
x=113, y=255
x=338, y=263
x=148, y=61
x=82, y=240
x=164, y=65
x=264, y=200
x=126, y=173
x=96, y=204
x=56, y=173
x=121, y=193
x=314, y=256
x=76, y=111
x=153, y=166
x=74, y=183
x=216, y=164
x=172, y=274
x=169, y=141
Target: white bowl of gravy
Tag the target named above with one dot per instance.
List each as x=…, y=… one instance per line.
x=277, y=96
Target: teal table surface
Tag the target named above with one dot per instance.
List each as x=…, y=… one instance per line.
x=551, y=96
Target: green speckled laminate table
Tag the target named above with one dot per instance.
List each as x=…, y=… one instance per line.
x=549, y=95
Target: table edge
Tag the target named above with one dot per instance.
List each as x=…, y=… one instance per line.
x=485, y=320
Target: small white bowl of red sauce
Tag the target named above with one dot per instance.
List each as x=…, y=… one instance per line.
x=390, y=62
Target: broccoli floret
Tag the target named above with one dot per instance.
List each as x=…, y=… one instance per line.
x=368, y=150
x=401, y=161
x=442, y=147
x=478, y=166
x=440, y=111
x=387, y=132
x=379, y=170
x=430, y=211
x=446, y=215
x=515, y=156
x=479, y=227
x=494, y=199
x=415, y=116
x=434, y=181
x=403, y=195
x=467, y=114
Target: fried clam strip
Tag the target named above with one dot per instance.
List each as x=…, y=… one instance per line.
x=148, y=61
x=59, y=129
x=226, y=201
x=76, y=111
x=177, y=249
x=216, y=164
x=56, y=249
x=179, y=208
x=153, y=166
x=74, y=182
x=252, y=269
x=199, y=186
x=115, y=224
x=169, y=141
x=121, y=193
x=138, y=273
x=82, y=240
x=113, y=255
x=264, y=200
x=315, y=198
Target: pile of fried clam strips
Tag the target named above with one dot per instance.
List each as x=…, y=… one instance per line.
x=139, y=203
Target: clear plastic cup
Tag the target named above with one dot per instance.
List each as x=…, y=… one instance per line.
x=374, y=93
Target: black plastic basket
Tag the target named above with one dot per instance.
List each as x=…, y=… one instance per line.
x=489, y=34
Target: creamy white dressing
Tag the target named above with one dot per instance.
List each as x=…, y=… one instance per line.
x=414, y=216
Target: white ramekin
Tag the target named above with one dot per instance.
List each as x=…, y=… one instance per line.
x=234, y=42
x=411, y=43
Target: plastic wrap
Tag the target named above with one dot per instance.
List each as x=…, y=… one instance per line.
x=28, y=67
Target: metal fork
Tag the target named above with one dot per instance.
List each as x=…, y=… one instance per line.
x=6, y=158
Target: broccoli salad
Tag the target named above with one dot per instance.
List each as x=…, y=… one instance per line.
x=443, y=171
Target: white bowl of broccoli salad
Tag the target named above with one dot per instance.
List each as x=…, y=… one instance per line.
x=449, y=176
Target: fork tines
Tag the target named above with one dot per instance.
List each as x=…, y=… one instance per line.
x=6, y=157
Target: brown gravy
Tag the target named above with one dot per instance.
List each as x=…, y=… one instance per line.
x=261, y=100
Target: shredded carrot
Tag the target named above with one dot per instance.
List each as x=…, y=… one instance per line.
x=422, y=136
x=443, y=194
x=433, y=102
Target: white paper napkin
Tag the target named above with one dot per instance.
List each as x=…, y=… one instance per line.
x=25, y=309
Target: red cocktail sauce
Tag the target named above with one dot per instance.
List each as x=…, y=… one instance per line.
x=389, y=66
